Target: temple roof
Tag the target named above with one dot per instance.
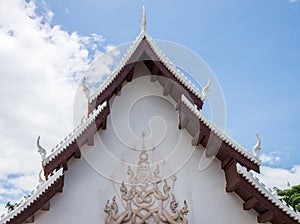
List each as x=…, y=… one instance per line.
x=86, y=121
x=234, y=158
x=27, y=206
x=162, y=57
x=232, y=143
x=257, y=184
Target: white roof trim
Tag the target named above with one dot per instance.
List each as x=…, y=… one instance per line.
x=254, y=181
x=172, y=68
x=164, y=59
x=24, y=203
x=219, y=133
x=80, y=128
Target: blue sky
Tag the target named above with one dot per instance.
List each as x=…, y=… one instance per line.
x=253, y=47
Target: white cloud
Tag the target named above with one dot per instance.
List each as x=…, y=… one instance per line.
x=103, y=66
x=293, y=1
x=279, y=177
x=40, y=65
x=270, y=158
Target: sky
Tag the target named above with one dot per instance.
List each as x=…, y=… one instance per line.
x=253, y=48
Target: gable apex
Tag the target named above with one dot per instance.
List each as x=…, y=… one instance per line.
x=230, y=171
x=145, y=43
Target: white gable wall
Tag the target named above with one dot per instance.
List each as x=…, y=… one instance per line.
x=87, y=189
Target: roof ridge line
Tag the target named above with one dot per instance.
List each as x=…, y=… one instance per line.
x=25, y=202
x=160, y=54
x=86, y=121
x=261, y=187
x=219, y=132
x=121, y=63
x=172, y=67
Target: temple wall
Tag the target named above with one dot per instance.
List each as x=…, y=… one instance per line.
x=88, y=181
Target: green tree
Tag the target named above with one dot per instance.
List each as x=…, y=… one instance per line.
x=9, y=206
x=290, y=196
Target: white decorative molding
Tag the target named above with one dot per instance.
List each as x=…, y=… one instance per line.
x=254, y=181
x=172, y=68
x=218, y=132
x=25, y=202
x=80, y=128
x=164, y=59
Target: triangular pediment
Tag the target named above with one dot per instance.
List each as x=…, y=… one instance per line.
x=189, y=103
x=144, y=49
x=199, y=132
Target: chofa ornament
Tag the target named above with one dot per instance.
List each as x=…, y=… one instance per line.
x=146, y=199
x=206, y=88
x=41, y=150
x=257, y=148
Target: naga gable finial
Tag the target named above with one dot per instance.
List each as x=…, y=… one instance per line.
x=41, y=179
x=144, y=20
x=41, y=150
x=257, y=147
x=206, y=88
x=85, y=89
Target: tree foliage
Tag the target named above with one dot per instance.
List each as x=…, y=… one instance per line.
x=290, y=196
x=9, y=206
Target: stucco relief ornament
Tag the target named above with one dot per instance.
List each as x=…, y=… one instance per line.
x=257, y=148
x=42, y=151
x=147, y=198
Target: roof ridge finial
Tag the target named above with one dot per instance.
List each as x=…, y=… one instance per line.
x=144, y=20
x=257, y=147
x=41, y=150
x=87, y=92
x=85, y=89
x=206, y=88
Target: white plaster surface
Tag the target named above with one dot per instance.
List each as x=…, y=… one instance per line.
x=87, y=185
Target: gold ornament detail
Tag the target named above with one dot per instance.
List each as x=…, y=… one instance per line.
x=147, y=198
